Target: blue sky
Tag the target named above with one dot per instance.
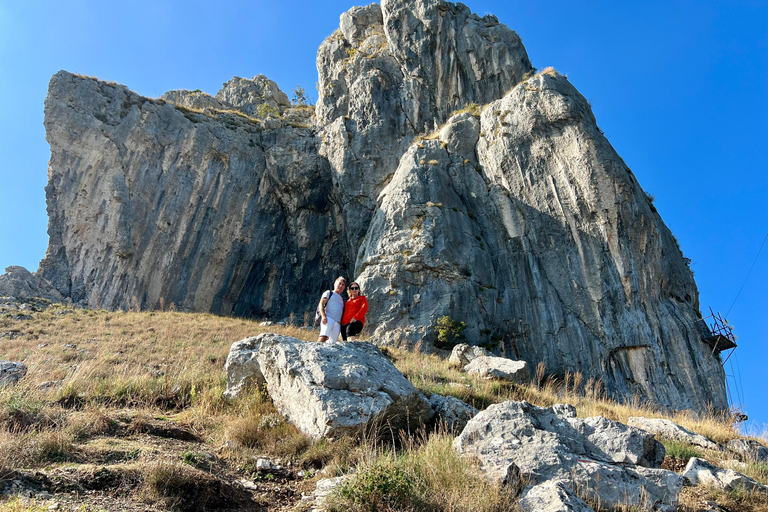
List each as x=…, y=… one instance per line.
x=679, y=87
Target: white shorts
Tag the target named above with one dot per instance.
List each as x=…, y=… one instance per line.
x=331, y=329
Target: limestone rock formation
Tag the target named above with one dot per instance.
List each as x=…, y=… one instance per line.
x=489, y=367
x=327, y=389
x=552, y=496
x=701, y=472
x=668, y=429
x=21, y=283
x=608, y=462
x=451, y=413
x=517, y=218
x=590, y=279
x=463, y=354
x=748, y=449
x=150, y=204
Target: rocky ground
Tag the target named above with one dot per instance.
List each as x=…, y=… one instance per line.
x=126, y=411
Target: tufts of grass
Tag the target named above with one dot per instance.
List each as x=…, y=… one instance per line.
x=425, y=475
x=680, y=450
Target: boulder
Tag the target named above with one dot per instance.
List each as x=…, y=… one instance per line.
x=491, y=367
x=11, y=372
x=451, y=412
x=670, y=430
x=602, y=460
x=552, y=496
x=327, y=389
x=701, y=472
x=463, y=354
x=748, y=449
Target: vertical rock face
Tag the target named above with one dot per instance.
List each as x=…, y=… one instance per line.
x=513, y=215
x=392, y=72
x=539, y=238
x=151, y=204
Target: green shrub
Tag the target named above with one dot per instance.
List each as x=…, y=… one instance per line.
x=383, y=486
x=449, y=332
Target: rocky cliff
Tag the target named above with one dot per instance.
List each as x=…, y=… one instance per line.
x=515, y=216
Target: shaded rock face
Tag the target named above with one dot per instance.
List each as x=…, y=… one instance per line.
x=522, y=222
x=152, y=204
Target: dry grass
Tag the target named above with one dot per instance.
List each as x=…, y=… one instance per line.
x=141, y=391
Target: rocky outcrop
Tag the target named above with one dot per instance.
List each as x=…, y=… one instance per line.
x=463, y=354
x=11, y=372
x=489, y=367
x=327, y=389
x=700, y=472
x=552, y=496
x=21, y=283
x=748, y=449
x=590, y=280
x=451, y=413
x=667, y=429
x=397, y=70
x=151, y=204
x=601, y=460
x=517, y=218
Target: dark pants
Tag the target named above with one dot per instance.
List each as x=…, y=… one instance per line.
x=353, y=328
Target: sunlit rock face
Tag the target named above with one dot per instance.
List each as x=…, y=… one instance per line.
x=514, y=215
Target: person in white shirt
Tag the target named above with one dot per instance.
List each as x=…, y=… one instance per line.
x=331, y=309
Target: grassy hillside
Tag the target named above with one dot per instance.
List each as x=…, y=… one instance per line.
x=132, y=418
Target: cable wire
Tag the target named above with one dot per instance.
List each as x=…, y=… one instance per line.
x=748, y=273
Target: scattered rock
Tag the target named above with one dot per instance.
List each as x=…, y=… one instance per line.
x=490, y=367
x=552, y=496
x=21, y=318
x=462, y=354
x=670, y=430
x=748, y=449
x=323, y=488
x=602, y=459
x=11, y=335
x=11, y=372
x=326, y=389
x=451, y=412
x=701, y=472
x=264, y=465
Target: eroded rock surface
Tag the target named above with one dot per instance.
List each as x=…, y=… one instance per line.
x=608, y=462
x=21, y=283
x=451, y=413
x=489, y=367
x=463, y=354
x=327, y=389
x=701, y=472
x=668, y=429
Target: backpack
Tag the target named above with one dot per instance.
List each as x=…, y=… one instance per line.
x=318, y=316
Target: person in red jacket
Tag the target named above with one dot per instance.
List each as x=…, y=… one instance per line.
x=354, y=313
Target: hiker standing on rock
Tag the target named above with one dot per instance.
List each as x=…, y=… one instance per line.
x=331, y=309
x=354, y=313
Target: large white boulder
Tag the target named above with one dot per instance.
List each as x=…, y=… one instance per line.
x=701, y=472
x=327, y=389
x=463, y=354
x=491, y=367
